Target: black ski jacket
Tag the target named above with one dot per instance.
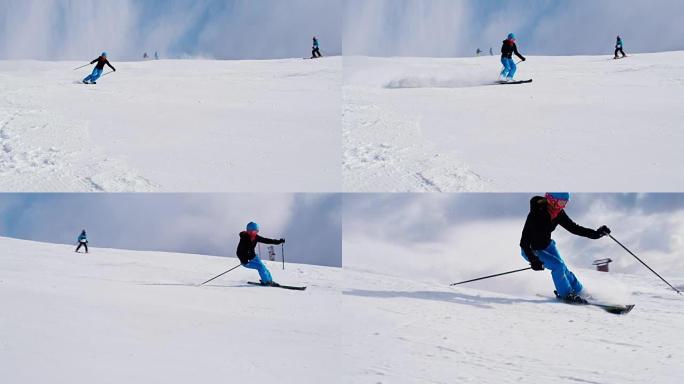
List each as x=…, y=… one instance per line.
x=245, y=249
x=101, y=61
x=536, y=234
x=509, y=48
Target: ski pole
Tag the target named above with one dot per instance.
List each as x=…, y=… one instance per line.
x=82, y=66
x=107, y=73
x=649, y=268
x=217, y=276
x=487, y=277
x=282, y=253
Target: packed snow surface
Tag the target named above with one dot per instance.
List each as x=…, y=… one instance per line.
x=172, y=125
x=586, y=123
x=115, y=316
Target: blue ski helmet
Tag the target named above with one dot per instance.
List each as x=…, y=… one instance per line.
x=511, y=36
x=252, y=226
x=104, y=54
x=559, y=195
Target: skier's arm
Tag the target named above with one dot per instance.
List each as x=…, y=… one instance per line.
x=94, y=61
x=575, y=228
x=268, y=241
x=515, y=50
x=526, y=239
x=110, y=65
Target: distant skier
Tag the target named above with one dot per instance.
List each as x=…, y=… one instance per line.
x=97, y=71
x=618, y=47
x=82, y=241
x=145, y=57
x=156, y=55
x=491, y=51
x=540, y=250
x=507, y=50
x=248, y=257
x=477, y=52
x=315, y=51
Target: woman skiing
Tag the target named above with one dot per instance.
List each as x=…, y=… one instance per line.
x=315, y=51
x=618, y=47
x=248, y=257
x=507, y=50
x=540, y=250
x=82, y=241
x=97, y=71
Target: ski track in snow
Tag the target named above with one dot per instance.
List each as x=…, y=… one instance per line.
x=42, y=151
x=385, y=151
x=586, y=123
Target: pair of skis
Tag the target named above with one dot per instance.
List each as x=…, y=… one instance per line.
x=276, y=285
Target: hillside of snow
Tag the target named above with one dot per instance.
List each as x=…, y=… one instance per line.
x=586, y=123
x=115, y=316
x=172, y=125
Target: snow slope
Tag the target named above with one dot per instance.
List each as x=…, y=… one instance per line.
x=177, y=125
x=115, y=316
x=408, y=331
x=586, y=123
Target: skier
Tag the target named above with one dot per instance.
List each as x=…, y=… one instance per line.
x=540, y=250
x=618, y=47
x=507, y=50
x=315, y=52
x=491, y=52
x=97, y=71
x=82, y=241
x=248, y=258
x=477, y=52
x=156, y=55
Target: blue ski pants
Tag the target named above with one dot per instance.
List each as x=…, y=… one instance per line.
x=94, y=76
x=509, y=67
x=257, y=264
x=564, y=280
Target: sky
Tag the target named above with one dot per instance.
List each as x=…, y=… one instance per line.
x=445, y=28
x=190, y=223
x=222, y=29
x=453, y=237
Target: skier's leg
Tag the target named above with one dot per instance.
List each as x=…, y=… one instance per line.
x=622, y=52
x=96, y=74
x=616, y=52
x=90, y=77
x=512, y=69
x=257, y=264
x=85, y=245
x=559, y=271
x=504, y=71
x=79, y=244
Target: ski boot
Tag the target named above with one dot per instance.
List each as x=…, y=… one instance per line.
x=269, y=284
x=571, y=298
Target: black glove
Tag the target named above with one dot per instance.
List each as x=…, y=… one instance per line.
x=603, y=230
x=536, y=264
x=114, y=69
x=523, y=59
x=281, y=241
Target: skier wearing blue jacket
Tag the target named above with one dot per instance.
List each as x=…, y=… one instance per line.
x=546, y=213
x=507, y=50
x=315, y=51
x=97, y=71
x=82, y=241
x=248, y=257
x=618, y=47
